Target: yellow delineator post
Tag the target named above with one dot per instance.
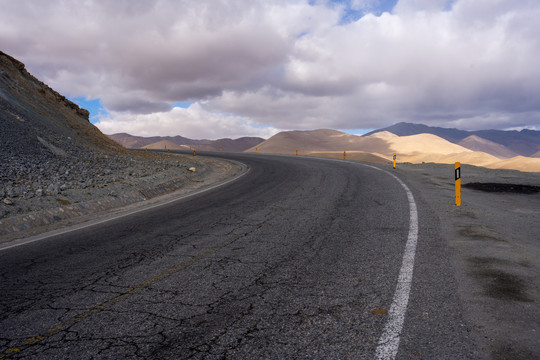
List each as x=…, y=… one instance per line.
x=220, y=149
x=345, y=155
x=457, y=173
x=193, y=152
x=256, y=150
x=394, y=160
x=296, y=152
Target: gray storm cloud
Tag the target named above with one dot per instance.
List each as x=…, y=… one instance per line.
x=260, y=66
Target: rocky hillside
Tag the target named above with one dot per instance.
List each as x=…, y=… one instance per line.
x=49, y=148
x=44, y=137
x=34, y=116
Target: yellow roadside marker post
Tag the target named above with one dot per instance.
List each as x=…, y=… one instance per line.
x=457, y=173
x=193, y=152
x=145, y=149
x=296, y=152
x=345, y=155
x=394, y=160
x=256, y=150
x=220, y=149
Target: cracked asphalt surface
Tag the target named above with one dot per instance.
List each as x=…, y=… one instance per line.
x=288, y=262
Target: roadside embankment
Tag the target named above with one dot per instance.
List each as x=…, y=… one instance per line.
x=133, y=184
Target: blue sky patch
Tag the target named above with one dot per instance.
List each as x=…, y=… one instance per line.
x=356, y=131
x=377, y=8
x=183, y=104
x=95, y=106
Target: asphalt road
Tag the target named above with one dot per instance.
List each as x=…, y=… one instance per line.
x=298, y=259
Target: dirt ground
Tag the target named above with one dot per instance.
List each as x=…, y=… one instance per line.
x=494, y=239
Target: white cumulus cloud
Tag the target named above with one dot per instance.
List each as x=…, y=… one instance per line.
x=194, y=122
x=256, y=67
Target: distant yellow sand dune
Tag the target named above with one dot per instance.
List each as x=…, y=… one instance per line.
x=380, y=147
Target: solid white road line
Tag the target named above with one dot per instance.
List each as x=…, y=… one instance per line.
x=388, y=344
x=389, y=341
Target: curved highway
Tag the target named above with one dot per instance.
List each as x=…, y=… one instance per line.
x=297, y=259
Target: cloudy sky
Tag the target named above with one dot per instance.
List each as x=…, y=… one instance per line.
x=218, y=68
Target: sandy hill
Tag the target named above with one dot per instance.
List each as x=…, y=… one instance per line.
x=380, y=146
x=407, y=129
x=430, y=148
x=232, y=145
x=324, y=140
x=420, y=143
x=477, y=143
x=521, y=163
x=524, y=142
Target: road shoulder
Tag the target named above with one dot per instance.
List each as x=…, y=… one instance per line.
x=209, y=173
x=492, y=239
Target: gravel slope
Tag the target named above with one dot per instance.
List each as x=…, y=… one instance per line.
x=126, y=181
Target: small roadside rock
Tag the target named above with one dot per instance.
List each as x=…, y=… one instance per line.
x=8, y=201
x=192, y=169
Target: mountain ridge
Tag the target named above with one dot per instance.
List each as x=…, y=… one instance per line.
x=381, y=145
x=525, y=142
x=476, y=143
x=225, y=144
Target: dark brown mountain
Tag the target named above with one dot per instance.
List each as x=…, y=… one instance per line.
x=236, y=145
x=524, y=142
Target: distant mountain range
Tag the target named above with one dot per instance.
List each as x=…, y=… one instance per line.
x=179, y=142
x=415, y=143
x=500, y=143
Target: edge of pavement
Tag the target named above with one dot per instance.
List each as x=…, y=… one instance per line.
x=492, y=245
x=26, y=228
